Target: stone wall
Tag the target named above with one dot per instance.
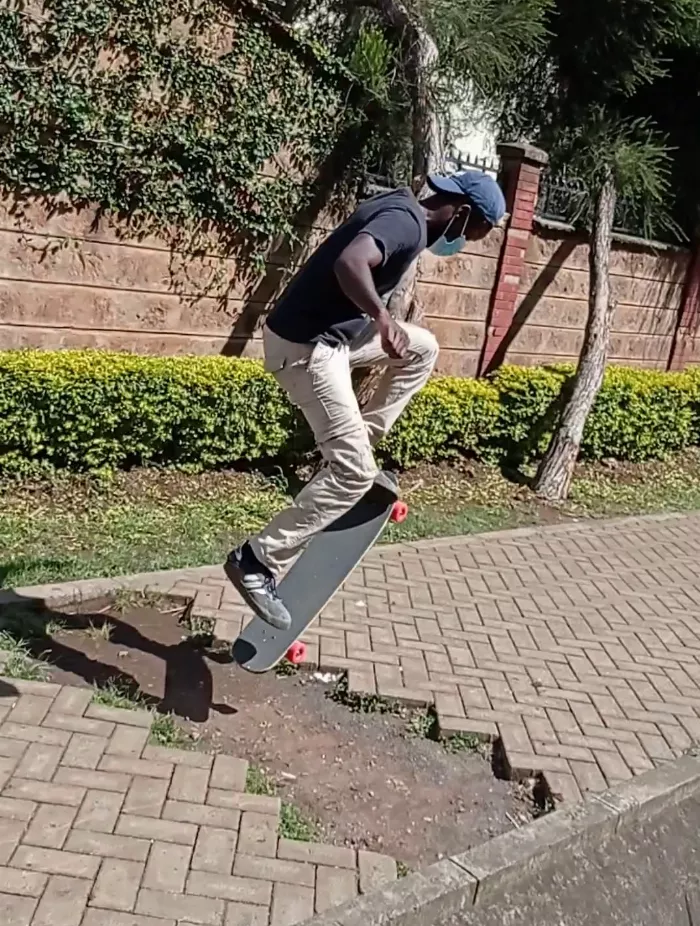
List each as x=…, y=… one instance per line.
x=551, y=308
x=68, y=279
x=455, y=294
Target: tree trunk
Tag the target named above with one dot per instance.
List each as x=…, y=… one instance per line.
x=421, y=55
x=556, y=469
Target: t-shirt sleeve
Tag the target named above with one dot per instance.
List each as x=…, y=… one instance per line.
x=396, y=231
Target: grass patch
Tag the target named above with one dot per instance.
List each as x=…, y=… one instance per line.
x=127, y=599
x=166, y=731
x=257, y=782
x=462, y=742
x=18, y=662
x=117, y=693
x=423, y=724
x=361, y=703
x=55, y=625
x=100, y=632
x=199, y=630
x=73, y=527
x=293, y=823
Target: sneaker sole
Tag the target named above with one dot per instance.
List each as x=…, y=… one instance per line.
x=233, y=573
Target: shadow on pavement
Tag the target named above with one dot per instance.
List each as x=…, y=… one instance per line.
x=186, y=675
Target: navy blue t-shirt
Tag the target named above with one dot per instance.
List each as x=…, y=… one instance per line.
x=313, y=307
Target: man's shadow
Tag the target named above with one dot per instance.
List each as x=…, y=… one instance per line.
x=7, y=690
x=187, y=685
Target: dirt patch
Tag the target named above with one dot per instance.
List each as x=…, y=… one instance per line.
x=368, y=780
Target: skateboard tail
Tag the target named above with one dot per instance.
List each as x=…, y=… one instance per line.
x=318, y=575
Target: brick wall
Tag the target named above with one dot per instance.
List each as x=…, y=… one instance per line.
x=69, y=281
x=455, y=293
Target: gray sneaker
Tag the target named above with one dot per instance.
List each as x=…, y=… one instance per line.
x=257, y=585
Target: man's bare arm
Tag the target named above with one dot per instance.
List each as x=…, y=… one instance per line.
x=353, y=270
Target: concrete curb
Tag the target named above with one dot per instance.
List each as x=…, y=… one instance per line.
x=450, y=891
x=73, y=592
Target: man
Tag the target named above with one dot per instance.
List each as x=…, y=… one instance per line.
x=332, y=318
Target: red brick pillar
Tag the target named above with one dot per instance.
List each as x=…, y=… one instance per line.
x=521, y=166
x=688, y=314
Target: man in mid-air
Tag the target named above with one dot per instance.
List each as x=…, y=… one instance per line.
x=332, y=318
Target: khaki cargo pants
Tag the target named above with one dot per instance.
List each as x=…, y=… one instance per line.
x=318, y=380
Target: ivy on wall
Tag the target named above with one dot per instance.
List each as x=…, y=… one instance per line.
x=166, y=112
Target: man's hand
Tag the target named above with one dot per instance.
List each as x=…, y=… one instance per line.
x=394, y=337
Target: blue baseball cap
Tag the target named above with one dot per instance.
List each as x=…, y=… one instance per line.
x=479, y=188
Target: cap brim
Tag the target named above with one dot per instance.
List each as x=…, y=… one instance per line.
x=445, y=185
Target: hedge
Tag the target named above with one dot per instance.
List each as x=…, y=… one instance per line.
x=95, y=409
x=91, y=410
x=638, y=414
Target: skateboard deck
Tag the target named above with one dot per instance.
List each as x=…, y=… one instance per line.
x=318, y=574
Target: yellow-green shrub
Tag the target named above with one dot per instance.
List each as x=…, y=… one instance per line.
x=638, y=414
x=450, y=416
x=693, y=379
x=93, y=409
x=529, y=400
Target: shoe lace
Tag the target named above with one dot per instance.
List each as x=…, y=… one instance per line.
x=270, y=587
x=260, y=582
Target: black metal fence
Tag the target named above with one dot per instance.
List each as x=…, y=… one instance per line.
x=564, y=198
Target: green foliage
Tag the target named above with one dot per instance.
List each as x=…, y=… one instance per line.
x=92, y=410
x=450, y=416
x=166, y=731
x=584, y=97
x=373, y=60
x=529, y=402
x=692, y=378
x=636, y=156
x=481, y=41
x=293, y=823
x=169, y=114
x=638, y=414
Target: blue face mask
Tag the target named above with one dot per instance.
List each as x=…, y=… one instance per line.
x=447, y=247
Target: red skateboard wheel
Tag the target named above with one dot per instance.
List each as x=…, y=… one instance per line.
x=296, y=654
x=399, y=512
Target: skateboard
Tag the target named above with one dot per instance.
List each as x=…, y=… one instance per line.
x=318, y=574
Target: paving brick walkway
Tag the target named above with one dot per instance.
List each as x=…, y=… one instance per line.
x=577, y=647
x=97, y=828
